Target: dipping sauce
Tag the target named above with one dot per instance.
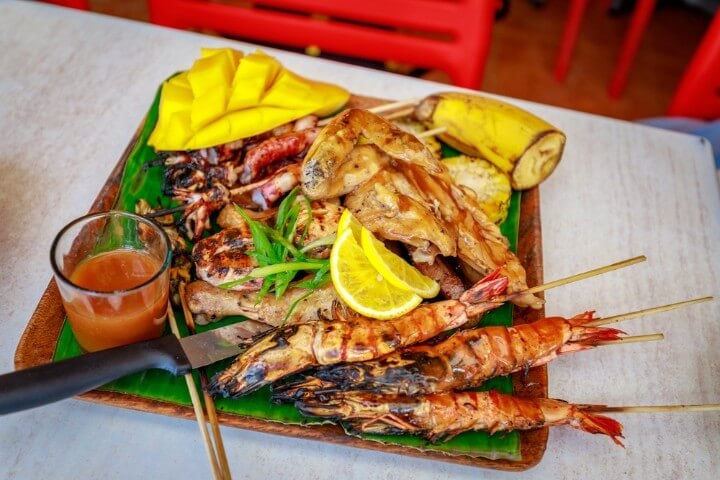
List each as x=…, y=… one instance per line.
x=122, y=312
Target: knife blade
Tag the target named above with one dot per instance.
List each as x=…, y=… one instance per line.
x=206, y=348
x=49, y=383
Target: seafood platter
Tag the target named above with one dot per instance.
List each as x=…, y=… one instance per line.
x=390, y=252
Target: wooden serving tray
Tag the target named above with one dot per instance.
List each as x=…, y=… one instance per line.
x=39, y=340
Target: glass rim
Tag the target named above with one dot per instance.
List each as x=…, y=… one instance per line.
x=95, y=215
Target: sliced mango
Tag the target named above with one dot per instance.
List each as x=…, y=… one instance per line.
x=210, y=72
x=208, y=107
x=233, y=55
x=242, y=124
x=252, y=78
x=176, y=96
x=226, y=96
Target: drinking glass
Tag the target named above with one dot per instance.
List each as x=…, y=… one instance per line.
x=112, y=270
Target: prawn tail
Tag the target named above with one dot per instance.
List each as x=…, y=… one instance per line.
x=479, y=297
x=593, y=423
x=583, y=337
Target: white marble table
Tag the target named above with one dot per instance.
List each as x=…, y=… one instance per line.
x=73, y=87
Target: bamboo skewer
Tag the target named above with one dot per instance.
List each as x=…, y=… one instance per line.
x=573, y=278
x=394, y=105
x=652, y=337
x=386, y=107
x=647, y=311
x=588, y=274
x=707, y=407
x=197, y=406
x=166, y=211
x=432, y=132
x=209, y=402
x=399, y=113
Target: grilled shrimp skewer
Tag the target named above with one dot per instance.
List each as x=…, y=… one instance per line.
x=464, y=360
x=294, y=348
x=442, y=416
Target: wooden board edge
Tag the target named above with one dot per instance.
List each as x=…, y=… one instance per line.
x=534, y=383
x=321, y=433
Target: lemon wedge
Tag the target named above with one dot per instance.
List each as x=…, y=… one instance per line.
x=361, y=286
x=395, y=269
x=347, y=220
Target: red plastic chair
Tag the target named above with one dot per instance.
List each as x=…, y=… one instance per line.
x=698, y=94
x=453, y=36
x=79, y=4
x=638, y=24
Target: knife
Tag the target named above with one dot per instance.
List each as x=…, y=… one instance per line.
x=49, y=383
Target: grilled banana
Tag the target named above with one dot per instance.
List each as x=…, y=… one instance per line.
x=516, y=141
x=489, y=184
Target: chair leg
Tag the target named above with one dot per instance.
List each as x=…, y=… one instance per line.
x=567, y=44
x=638, y=24
x=698, y=93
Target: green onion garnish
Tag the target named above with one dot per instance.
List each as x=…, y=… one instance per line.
x=279, y=258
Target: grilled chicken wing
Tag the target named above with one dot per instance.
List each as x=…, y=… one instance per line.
x=210, y=304
x=330, y=158
x=222, y=258
x=405, y=194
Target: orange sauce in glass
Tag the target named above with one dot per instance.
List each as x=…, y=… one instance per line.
x=101, y=321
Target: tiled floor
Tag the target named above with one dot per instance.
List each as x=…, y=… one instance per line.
x=525, y=44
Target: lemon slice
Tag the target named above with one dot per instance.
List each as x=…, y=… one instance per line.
x=395, y=269
x=347, y=220
x=361, y=286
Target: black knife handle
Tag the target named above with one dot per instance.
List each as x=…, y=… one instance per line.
x=48, y=383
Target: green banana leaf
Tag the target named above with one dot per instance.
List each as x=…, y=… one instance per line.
x=143, y=181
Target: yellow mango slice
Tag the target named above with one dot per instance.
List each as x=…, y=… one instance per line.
x=175, y=133
x=233, y=55
x=258, y=63
x=226, y=96
x=208, y=107
x=293, y=91
x=254, y=74
x=241, y=124
x=175, y=97
x=210, y=72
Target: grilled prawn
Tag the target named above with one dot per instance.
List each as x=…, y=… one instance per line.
x=294, y=348
x=464, y=360
x=442, y=416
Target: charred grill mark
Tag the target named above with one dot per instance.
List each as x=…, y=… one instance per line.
x=461, y=367
x=282, y=336
x=220, y=271
x=344, y=347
